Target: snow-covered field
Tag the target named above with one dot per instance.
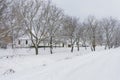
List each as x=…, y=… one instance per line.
x=23, y=64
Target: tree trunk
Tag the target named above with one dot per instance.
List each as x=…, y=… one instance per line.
x=36, y=50
x=63, y=45
x=85, y=45
x=72, y=47
x=105, y=46
x=78, y=47
x=12, y=39
x=94, y=42
x=91, y=48
x=94, y=47
x=51, y=45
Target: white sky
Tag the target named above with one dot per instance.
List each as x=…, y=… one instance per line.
x=84, y=8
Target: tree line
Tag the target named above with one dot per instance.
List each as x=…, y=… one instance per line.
x=41, y=20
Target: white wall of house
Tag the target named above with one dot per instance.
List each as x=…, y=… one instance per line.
x=25, y=42
x=22, y=43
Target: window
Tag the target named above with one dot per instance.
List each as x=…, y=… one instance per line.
x=26, y=42
x=19, y=42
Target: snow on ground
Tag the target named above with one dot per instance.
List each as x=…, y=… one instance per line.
x=22, y=64
x=20, y=59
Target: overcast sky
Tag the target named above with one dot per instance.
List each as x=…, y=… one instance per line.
x=84, y=8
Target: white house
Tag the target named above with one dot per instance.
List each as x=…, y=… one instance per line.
x=22, y=42
x=25, y=42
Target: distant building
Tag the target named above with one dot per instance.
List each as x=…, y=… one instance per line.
x=25, y=42
x=22, y=42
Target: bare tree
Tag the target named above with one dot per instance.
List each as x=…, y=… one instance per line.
x=108, y=25
x=115, y=41
x=32, y=17
x=79, y=34
x=99, y=34
x=5, y=11
x=116, y=38
x=92, y=25
x=53, y=18
x=70, y=27
x=3, y=6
